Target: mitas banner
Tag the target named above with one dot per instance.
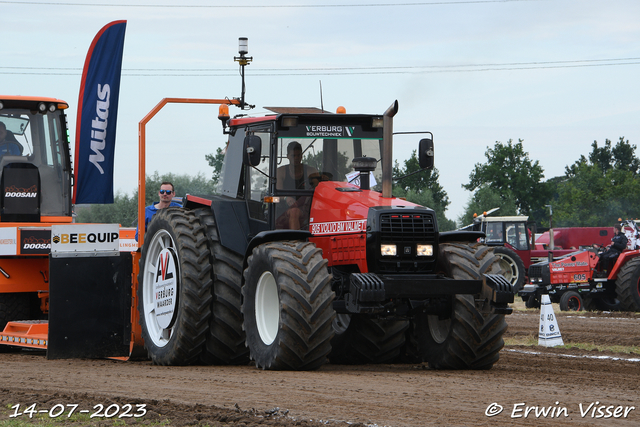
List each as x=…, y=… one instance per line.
x=97, y=116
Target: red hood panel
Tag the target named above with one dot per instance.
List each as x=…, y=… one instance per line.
x=331, y=205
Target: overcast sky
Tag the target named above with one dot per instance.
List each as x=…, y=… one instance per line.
x=558, y=74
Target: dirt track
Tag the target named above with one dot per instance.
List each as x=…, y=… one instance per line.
x=382, y=395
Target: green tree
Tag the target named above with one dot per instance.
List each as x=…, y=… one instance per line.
x=124, y=209
x=419, y=181
x=606, y=158
x=598, y=190
x=423, y=189
x=216, y=161
x=197, y=185
x=484, y=199
x=508, y=167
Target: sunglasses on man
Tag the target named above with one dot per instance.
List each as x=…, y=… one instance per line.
x=165, y=191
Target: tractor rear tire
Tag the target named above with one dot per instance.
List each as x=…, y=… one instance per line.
x=607, y=303
x=180, y=340
x=13, y=307
x=467, y=339
x=513, y=266
x=590, y=304
x=367, y=340
x=225, y=343
x=571, y=301
x=288, y=306
x=628, y=285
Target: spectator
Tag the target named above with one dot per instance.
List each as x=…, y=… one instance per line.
x=166, y=194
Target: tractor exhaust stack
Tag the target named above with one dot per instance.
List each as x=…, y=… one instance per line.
x=387, y=149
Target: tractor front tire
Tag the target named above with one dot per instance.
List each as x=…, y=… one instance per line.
x=225, y=343
x=288, y=306
x=512, y=265
x=532, y=302
x=366, y=340
x=628, y=285
x=174, y=288
x=571, y=301
x=467, y=339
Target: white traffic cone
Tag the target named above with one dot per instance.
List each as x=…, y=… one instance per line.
x=549, y=335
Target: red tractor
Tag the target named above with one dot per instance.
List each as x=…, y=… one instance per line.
x=309, y=258
x=515, y=243
x=579, y=280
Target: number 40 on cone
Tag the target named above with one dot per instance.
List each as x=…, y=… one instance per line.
x=549, y=333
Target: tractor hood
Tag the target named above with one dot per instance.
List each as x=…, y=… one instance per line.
x=341, y=201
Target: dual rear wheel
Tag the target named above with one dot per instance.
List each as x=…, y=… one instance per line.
x=189, y=292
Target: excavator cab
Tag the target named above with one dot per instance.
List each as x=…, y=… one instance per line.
x=35, y=168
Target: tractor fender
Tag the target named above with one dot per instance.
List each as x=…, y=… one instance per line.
x=273, y=236
x=623, y=258
x=460, y=236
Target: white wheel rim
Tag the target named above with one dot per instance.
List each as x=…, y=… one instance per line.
x=158, y=335
x=510, y=268
x=439, y=329
x=341, y=323
x=267, y=308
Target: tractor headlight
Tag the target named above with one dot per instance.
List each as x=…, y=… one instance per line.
x=424, y=250
x=388, y=250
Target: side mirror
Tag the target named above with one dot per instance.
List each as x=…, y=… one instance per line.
x=425, y=153
x=252, y=150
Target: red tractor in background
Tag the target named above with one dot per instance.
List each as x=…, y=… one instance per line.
x=515, y=243
x=579, y=280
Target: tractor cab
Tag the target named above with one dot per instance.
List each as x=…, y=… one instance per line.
x=506, y=229
x=35, y=170
x=286, y=157
x=510, y=237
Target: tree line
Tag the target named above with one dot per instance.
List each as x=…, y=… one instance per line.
x=124, y=210
x=595, y=190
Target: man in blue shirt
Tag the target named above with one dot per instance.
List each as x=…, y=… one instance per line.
x=166, y=194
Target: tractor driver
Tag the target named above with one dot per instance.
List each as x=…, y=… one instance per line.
x=494, y=232
x=295, y=176
x=618, y=244
x=166, y=194
x=8, y=143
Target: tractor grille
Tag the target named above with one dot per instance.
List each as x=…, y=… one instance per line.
x=411, y=227
x=406, y=230
x=535, y=271
x=539, y=273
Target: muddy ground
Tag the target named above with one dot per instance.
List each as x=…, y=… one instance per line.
x=564, y=382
